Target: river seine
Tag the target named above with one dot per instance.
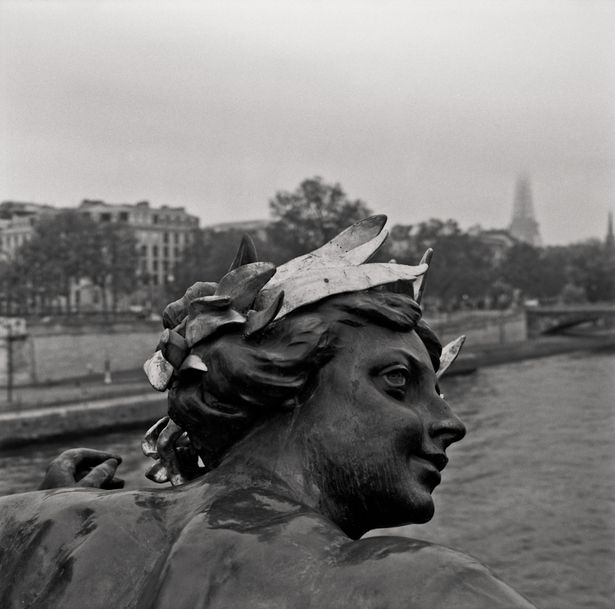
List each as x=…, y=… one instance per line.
x=530, y=491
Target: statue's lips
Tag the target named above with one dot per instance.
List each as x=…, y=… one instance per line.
x=439, y=460
x=435, y=462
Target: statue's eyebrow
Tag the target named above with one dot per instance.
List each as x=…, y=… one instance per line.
x=415, y=364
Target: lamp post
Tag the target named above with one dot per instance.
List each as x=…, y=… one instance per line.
x=8, y=327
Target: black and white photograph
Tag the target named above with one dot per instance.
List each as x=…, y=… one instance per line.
x=307, y=304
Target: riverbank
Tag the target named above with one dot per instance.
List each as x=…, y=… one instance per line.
x=74, y=420
x=474, y=357
x=85, y=406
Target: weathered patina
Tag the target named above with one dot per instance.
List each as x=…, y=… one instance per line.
x=304, y=411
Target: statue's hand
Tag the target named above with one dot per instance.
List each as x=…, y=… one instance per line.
x=83, y=467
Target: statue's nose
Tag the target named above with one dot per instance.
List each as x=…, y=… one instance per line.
x=447, y=429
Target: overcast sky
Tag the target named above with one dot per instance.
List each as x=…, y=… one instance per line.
x=422, y=109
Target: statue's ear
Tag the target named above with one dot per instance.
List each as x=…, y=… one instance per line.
x=246, y=253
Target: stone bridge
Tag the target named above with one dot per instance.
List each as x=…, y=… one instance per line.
x=552, y=320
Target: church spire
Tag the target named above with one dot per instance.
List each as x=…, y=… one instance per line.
x=523, y=225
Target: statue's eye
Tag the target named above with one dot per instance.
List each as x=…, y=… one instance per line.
x=396, y=379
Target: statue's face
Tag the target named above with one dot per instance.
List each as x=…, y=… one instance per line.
x=378, y=431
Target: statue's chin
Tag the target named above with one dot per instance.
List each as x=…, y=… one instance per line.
x=424, y=510
x=424, y=515
x=419, y=512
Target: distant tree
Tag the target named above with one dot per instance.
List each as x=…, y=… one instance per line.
x=592, y=268
x=461, y=268
x=67, y=247
x=555, y=262
x=111, y=261
x=572, y=294
x=310, y=216
x=206, y=258
x=521, y=268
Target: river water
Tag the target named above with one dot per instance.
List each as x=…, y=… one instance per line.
x=530, y=491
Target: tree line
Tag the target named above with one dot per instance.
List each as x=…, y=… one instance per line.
x=67, y=248
x=466, y=272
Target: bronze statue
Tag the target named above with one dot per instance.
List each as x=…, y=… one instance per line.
x=304, y=411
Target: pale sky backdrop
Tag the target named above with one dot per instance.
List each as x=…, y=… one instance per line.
x=422, y=109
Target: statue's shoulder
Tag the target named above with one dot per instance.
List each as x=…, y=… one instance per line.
x=416, y=574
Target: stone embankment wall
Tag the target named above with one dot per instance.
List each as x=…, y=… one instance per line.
x=481, y=327
x=54, y=353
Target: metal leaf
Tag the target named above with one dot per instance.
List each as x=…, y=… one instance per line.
x=353, y=246
x=244, y=283
x=174, y=347
x=419, y=284
x=150, y=439
x=257, y=320
x=158, y=371
x=194, y=362
x=318, y=283
x=246, y=253
x=205, y=324
x=449, y=355
x=157, y=473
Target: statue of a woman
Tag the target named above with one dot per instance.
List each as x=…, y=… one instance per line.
x=304, y=407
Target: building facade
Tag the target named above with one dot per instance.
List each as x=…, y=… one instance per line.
x=17, y=220
x=161, y=232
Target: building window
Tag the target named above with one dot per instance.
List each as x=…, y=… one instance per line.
x=165, y=252
x=176, y=238
x=155, y=219
x=155, y=265
x=165, y=237
x=124, y=216
x=176, y=252
x=144, y=250
x=155, y=279
x=155, y=251
x=105, y=217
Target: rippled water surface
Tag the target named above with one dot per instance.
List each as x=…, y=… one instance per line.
x=530, y=491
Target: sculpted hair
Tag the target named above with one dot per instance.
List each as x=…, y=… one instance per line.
x=250, y=379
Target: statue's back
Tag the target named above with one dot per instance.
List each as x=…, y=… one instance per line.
x=210, y=547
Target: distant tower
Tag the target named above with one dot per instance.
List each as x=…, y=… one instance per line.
x=523, y=225
x=610, y=238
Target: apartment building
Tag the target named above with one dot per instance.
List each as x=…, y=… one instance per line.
x=17, y=220
x=162, y=233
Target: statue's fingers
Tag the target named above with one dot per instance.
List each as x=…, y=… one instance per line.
x=114, y=483
x=100, y=475
x=87, y=457
x=57, y=476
